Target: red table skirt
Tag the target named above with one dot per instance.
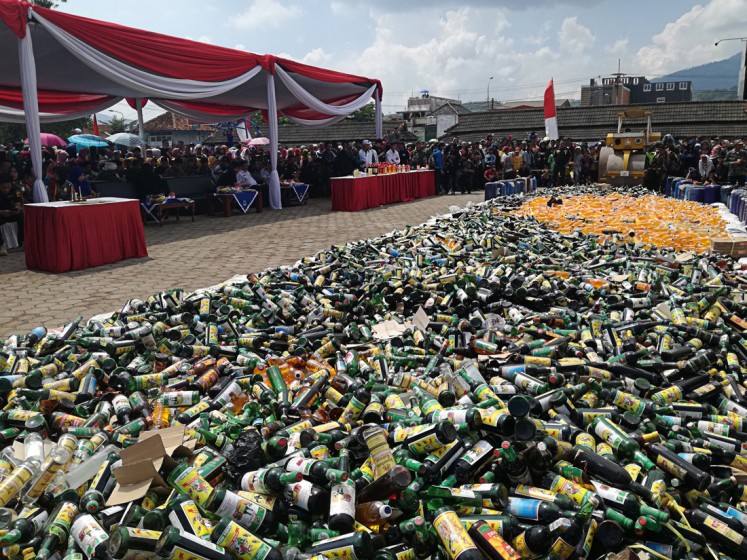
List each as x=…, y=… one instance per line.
x=352, y=195
x=60, y=239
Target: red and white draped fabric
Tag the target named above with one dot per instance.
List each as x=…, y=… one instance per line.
x=69, y=66
x=551, y=119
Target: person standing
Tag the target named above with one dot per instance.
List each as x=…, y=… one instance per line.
x=736, y=160
x=392, y=154
x=367, y=155
x=437, y=164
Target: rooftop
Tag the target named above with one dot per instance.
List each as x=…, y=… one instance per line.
x=705, y=118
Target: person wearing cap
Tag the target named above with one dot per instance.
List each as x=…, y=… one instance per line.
x=367, y=155
x=736, y=160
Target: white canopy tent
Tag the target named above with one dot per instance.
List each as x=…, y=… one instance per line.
x=60, y=66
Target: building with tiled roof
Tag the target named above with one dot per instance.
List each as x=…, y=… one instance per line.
x=174, y=128
x=725, y=119
x=344, y=131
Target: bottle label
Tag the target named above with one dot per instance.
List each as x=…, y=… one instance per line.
x=713, y=428
x=453, y=536
x=242, y=543
x=569, y=488
x=721, y=527
x=192, y=484
x=525, y=508
x=245, y=513
x=342, y=499
x=300, y=493
x=505, y=550
x=562, y=549
x=610, y=494
x=670, y=467
x=340, y=553
x=633, y=470
x=300, y=465
x=477, y=452
x=520, y=545
x=534, y=492
x=458, y=416
x=267, y=502
x=188, y=517
x=589, y=540
x=88, y=534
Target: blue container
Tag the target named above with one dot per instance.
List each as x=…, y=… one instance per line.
x=491, y=190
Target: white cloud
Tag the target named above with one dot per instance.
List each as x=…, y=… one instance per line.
x=689, y=40
x=201, y=39
x=266, y=13
x=619, y=48
x=575, y=37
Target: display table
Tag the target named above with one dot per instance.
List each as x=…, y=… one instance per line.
x=243, y=199
x=64, y=236
x=352, y=194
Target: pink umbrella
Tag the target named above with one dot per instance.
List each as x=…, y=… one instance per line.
x=48, y=139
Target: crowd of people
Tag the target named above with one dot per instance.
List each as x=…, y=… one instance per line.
x=459, y=166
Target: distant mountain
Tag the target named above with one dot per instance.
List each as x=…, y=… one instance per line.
x=719, y=75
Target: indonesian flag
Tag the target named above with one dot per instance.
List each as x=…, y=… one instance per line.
x=95, y=125
x=551, y=121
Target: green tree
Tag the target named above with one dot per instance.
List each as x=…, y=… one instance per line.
x=367, y=113
x=48, y=3
x=117, y=125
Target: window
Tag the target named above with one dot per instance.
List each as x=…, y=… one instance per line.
x=659, y=87
x=635, y=81
x=661, y=99
x=160, y=138
x=670, y=86
x=683, y=85
x=625, y=81
x=646, y=87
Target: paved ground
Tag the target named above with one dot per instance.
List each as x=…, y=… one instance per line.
x=192, y=256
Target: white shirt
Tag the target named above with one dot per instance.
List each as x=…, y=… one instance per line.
x=392, y=156
x=368, y=157
x=246, y=177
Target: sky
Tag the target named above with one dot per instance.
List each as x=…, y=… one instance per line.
x=453, y=48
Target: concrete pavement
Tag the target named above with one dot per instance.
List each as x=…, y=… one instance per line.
x=196, y=255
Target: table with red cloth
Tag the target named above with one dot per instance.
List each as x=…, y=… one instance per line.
x=352, y=194
x=64, y=236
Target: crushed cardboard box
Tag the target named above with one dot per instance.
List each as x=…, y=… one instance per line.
x=142, y=462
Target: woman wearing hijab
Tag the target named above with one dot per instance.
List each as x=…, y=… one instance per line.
x=80, y=182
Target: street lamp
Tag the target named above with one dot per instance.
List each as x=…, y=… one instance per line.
x=740, y=85
x=488, y=98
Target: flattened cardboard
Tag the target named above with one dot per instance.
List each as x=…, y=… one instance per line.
x=142, y=461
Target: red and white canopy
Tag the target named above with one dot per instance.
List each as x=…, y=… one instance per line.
x=59, y=66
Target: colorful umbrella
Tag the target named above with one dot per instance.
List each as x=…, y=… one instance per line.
x=126, y=139
x=49, y=139
x=87, y=141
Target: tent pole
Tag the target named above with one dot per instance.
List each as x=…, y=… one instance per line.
x=272, y=120
x=140, y=123
x=31, y=110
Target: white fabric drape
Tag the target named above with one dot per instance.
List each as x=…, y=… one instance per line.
x=31, y=108
x=140, y=121
x=312, y=102
x=379, y=116
x=309, y=123
x=272, y=120
x=9, y=114
x=147, y=84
